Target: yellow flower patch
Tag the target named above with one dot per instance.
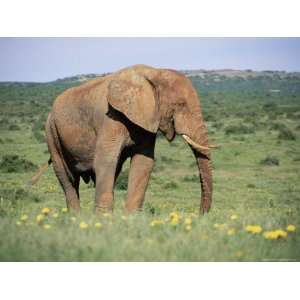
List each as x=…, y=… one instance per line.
x=156, y=223
x=188, y=227
x=233, y=217
x=83, y=225
x=64, y=210
x=46, y=210
x=253, y=228
x=188, y=221
x=231, y=231
x=40, y=218
x=24, y=218
x=98, y=225
x=291, y=228
x=47, y=226
x=174, y=218
x=274, y=235
x=239, y=254
x=55, y=215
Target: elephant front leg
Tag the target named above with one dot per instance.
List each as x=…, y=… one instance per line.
x=109, y=148
x=139, y=175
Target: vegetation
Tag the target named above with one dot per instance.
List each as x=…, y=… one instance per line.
x=255, y=214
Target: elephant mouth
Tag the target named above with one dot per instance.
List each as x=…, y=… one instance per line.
x=198, y=146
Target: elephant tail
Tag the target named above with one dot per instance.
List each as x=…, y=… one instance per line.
x=39, y=173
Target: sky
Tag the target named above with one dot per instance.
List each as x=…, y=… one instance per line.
x=47, y=59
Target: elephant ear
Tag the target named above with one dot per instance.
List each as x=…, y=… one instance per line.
x=135, y=97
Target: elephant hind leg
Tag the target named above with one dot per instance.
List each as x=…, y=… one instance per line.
x=68, y=180
x=70, y=185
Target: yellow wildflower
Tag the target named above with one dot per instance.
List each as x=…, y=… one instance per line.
x=47, y=226
x=55, y=215
x=233, y=217
x=231, y=231
x=98, y=225
x=281, y=233
x=18, y=223
x=291, y=228
x=64, y=210
x=83, y=225
x=220, y=226
x=188, y=221
x=45, y=210
x=40, y=218
x=73, y=219
x=271, y=235
x=124, y=218
x=107, y=215
x=156, y=222
x=253, y=229
x=274, y=235
x=239, y=253
x=188, y=227
x=24, y=218
x=174, y=218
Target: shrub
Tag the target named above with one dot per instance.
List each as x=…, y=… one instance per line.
x=277, y=126
x=270, y=161
x=19, y=194
x=14, y=127
x=238, y=129
x=170, y=185
x=271, y=106
x=286, y=134
x=39, y=136
x=250, y=186
x=218, y=125
x=168, y=160
x=190, y=178
x=14, y=164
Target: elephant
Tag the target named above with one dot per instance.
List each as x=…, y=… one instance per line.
x=93, y=128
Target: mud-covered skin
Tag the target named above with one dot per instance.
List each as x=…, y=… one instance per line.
x=92, y=129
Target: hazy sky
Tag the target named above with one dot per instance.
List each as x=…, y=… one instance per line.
x=46, y=59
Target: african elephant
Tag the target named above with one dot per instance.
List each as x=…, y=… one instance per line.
x=93, y=128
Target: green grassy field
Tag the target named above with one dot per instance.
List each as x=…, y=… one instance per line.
x=256, y=182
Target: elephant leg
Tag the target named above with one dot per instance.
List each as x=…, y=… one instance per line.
x=67, y=179
x=139, y=175
x=109, y=149
x=70, y=185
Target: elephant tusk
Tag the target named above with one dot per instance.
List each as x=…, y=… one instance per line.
x=196, y=145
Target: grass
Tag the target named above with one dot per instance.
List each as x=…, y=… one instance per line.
x=246, y=192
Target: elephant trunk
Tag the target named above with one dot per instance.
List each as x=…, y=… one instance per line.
x=197, y=139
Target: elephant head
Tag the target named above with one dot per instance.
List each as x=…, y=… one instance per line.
x=165, y=100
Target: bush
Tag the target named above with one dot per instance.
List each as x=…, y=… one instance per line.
x=218, y=125
x=39, y=136
x=14, y=164
x=191, y=178
x=270, y=161
x=238, y=129
x=286, y=134
x=277, y=126
x=170, y=185
x=19, y=194
x=14, y=127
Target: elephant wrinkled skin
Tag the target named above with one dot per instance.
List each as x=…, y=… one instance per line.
x=93, y=128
